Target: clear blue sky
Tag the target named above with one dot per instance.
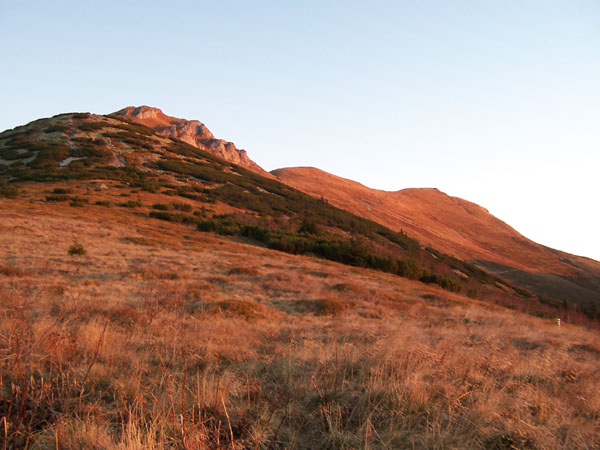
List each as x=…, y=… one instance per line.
x=497, y=102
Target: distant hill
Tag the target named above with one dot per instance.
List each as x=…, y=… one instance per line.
x=459, y=228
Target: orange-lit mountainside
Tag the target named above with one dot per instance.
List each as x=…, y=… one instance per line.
x=231, y=200
x=191, y=131
x=459, y=228
x=155, y=295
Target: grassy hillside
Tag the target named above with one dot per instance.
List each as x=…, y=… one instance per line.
x=120, y=331
x=86, y=146
x=462, y=229
x=155, y=296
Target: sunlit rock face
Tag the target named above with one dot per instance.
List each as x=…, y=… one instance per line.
x=192, y=132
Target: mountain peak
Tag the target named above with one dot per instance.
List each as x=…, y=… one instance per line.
x=192, y=132
x=147, y=114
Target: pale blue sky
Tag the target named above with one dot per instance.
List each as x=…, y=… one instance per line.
x=495, y=102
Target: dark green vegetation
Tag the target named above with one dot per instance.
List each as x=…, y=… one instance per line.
x=8, y=191
x=83, y=146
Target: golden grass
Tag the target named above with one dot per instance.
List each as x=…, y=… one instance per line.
x=164, y=341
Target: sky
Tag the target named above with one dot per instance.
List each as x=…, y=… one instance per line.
x=496, y=102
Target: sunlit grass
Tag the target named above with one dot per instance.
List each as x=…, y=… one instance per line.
x=162, y=337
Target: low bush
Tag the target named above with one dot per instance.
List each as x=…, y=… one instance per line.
x=57, y=198
x=9, y=192
x=11, y=271
x=59, y=127
x=446, y=282
x=185, y=207
x=173, y=217
x=76, y=249
x=10, y=154
x=62, y=191
x=130, y=204
x=78, y=201
x=93, y=126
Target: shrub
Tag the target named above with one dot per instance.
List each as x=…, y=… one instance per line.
x=62, y=191
x=409, y=268
x=59, y=127
x=446, y=282
x=308, y=226
x=93, y=126
x=57, y=198
x=78, y=201
x=9, y=191
x=10, y=271
x=172, y=217
x=10, y=154
x=130, y=204
x=149, y=185
x=77, y=249
x=185, y=207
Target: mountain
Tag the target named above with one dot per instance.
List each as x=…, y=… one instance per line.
x=242, y=202
x=154, y=295
x=227, y=198
x=120, y=331
x=460, y=228
x=193, y=132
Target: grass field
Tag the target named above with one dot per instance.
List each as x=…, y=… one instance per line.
x=159, y=336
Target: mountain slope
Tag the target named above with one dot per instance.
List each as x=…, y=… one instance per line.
x=144, y=306
x=460, y=228
x=227, y=199
x=163, y=337
x=235, y=201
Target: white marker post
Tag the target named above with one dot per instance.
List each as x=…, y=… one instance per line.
x=558, y=323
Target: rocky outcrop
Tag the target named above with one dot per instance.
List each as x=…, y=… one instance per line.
x=193, y=132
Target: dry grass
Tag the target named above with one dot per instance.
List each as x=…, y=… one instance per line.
x=154, y=340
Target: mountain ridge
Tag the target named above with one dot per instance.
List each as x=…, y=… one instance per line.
x=192, y=132
x=141, y=141
x=458, y=227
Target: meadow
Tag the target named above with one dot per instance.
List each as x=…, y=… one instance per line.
x=119, y=331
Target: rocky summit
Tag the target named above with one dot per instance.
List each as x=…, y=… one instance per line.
x=192, y=132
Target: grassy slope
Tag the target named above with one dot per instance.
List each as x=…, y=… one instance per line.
x=161, y=336
x=135, y=155
x=459, y=228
